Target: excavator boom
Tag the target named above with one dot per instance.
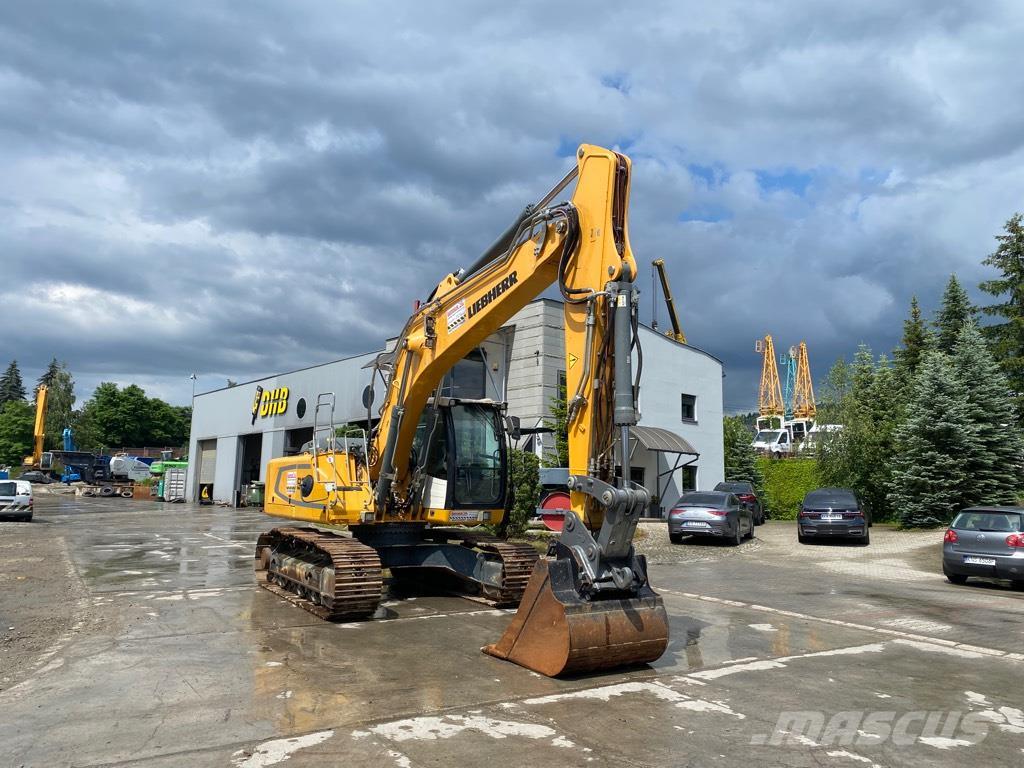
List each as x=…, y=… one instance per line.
x=39, y=430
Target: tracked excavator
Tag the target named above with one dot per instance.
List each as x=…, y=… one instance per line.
x=414, y=492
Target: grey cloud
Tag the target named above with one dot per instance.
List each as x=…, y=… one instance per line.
x=243, y=188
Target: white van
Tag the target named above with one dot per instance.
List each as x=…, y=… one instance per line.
x=15, y=500
x=773, y=442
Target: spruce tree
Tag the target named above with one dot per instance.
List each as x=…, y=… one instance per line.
x=50, y=374
x=11, y=385
x=956, y=310
x=740, y=459
x=995, y=465
x=930, y=482
x=916, y=338
x=1007, y=337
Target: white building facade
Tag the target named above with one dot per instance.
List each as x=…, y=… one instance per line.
x=522, y=363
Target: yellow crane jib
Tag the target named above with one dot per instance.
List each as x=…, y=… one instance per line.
x=677, y=330
x=433, y=465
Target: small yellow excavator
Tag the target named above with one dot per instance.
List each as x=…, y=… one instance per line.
x=415, y=491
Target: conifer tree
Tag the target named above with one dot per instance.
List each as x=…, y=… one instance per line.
x=916, y=338
x=956, y=310
x=930, y=481
x=740, y=459
x=995, y=465
x=1007, y=336
x=11, y=385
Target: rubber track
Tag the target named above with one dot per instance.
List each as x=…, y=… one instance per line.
x=358, y=577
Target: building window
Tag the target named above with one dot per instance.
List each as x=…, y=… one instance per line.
x=689, y=407
x=468, y=378
x=689, y=479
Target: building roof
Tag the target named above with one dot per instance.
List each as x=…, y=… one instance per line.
x=663, y=440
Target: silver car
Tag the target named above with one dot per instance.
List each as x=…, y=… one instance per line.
x=987, y=542
x=710, y=513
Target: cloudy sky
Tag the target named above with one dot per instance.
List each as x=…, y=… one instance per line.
x=242, y=188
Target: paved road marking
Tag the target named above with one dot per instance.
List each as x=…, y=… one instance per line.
x=963, y=647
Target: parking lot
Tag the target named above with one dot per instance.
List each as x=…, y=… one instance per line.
x=131, y=633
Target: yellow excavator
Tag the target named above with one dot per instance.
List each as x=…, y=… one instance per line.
x=415, y=491
x=39, y=430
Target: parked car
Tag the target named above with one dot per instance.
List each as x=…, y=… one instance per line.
x=832, y=512
x=985, y=541
x=15, y=500
x=35, y=476
x=710, y=513
x=744, y=491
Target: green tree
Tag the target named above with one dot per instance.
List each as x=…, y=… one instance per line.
x=1007, y=336
x=60, y=400
x=11, y=385
x=955, y=310
x=559, y=426
x=524, y=478
x=866, y=398
x=120, y=418
x=17, y=419
x=740, y=459
x=916, y=339
x=994, y=465
x=930, y=482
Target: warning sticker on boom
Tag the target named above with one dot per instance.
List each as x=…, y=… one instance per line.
x=456, y=316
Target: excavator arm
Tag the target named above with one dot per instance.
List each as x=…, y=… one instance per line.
x=582, y=245
x=39, y=431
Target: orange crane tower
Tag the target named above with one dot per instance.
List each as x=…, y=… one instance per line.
x=803, y=393
x=770, y=403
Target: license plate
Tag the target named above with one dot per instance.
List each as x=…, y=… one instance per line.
x=695, y=524
x=979, y=560
x=831, y=516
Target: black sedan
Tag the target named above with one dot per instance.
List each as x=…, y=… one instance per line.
x=831, y=513
x=744, y=491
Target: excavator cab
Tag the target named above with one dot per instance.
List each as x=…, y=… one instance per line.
x=460, y=454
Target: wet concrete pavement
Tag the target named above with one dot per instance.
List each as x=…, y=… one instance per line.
x=780, y=655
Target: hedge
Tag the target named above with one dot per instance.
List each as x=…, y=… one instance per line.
x=786, y=482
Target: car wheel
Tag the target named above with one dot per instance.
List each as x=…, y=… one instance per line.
x=1018, y=584
x=738, y=536
x=801, y=538
x=865, y=539
x=675, y=538
x=954, y=578
x=750, y=533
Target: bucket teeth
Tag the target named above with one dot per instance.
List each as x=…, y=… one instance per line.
x=556, y=632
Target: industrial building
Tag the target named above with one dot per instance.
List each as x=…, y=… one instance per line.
x=677, y=444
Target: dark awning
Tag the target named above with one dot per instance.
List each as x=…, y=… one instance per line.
x=662, y=440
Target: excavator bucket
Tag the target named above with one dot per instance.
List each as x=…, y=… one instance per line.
x=557, y=632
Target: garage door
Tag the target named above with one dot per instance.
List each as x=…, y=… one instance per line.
x=207, y=460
